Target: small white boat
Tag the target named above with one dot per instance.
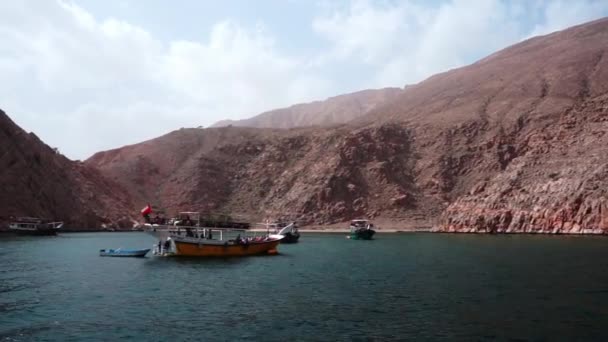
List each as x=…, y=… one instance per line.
x=288, y=232
x=361, y=230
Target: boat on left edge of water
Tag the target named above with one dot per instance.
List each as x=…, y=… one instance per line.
x=34, y=226
x=119, y=252
x=190, y=235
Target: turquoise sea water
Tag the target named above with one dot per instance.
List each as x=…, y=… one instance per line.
x=399, y=286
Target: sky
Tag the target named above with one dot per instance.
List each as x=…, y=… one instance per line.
x=90, y=75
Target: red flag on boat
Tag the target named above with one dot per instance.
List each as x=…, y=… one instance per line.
x=147, y=210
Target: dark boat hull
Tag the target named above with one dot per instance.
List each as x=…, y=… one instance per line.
x=291, y=238
x=362, y=234
x=37, y=232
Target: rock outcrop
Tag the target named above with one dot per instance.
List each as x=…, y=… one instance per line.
x=511, y=143
x=557, y=182
x=38, y=181
x=317, y=176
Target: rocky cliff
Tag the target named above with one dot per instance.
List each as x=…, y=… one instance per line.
x=511, y=143
x=557, y=182
x=315, y=175
x=38, y=181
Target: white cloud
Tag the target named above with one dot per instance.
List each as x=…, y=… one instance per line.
x=365, y=31
x=85, y=83
x=102, y=84
x=235, y=69
x=561, y=14
x=407, y=41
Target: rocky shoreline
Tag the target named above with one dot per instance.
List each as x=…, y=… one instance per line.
x=473, y=230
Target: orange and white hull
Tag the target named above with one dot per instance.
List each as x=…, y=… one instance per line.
x=202, y=249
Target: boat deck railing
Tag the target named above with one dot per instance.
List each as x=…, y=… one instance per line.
x=35, y=225
x=194, y=231
x=34, y=220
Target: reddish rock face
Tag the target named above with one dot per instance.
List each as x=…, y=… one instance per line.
x=37, y=181
x=558, y=183
x=512, y=143
x=317, y=176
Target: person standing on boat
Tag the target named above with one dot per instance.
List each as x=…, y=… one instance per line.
x=168, y=245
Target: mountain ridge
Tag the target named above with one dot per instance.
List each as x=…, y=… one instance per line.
x=509, y=144
x=410, y=158
x=334, y=110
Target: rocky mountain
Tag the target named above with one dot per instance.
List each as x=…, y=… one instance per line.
x=491, y=133
x=148, y=168
x=335, y=110
x=315, y=175
x=557, y=183
x=511, y=143
x=539, y=77
x=38, y=181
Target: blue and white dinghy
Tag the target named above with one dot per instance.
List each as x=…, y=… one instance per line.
x=124, y=252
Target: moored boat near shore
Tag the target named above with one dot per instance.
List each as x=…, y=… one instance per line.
x=34, y=226
x=361, y=230
x=289, y=231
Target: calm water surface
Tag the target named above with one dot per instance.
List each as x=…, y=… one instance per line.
x=399, y=286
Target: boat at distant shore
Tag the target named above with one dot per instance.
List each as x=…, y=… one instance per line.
x=34, y=226
x=192, y=236
x=119, y=252
x=361, y=230
x=289, y=231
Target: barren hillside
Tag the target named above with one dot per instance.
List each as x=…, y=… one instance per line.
x=37, y=181
x=469, y=140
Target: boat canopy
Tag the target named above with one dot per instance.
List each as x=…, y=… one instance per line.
x=287, y=229
x=30, y=219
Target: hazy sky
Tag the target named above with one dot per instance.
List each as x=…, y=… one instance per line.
x=92, y=75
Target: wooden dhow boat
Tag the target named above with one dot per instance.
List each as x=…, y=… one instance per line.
x=34, y=226
x=199, y=238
